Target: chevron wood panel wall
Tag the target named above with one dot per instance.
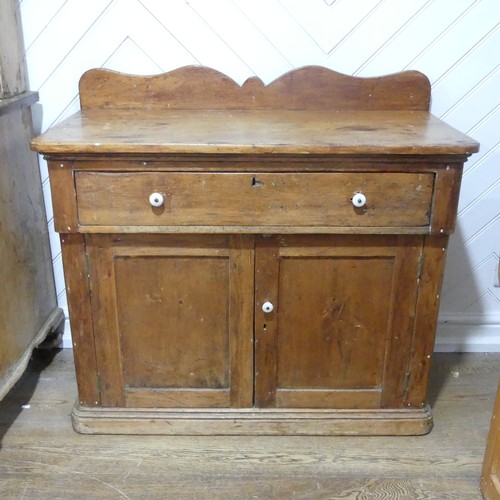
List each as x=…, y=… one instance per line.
x=456, y=43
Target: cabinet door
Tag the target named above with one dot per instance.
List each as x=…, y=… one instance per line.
x=340, y=331
x=173, y=319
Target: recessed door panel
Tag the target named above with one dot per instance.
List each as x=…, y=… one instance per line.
x=173, y=317
x=325, y=312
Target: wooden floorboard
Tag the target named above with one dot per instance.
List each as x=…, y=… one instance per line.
x=41, y=457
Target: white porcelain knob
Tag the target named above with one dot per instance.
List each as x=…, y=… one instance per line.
x=156, y=200
x=267, y=307
x=359, y=200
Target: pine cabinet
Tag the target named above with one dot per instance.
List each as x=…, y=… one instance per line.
x=251, y=259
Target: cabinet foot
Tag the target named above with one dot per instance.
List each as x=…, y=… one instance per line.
x=379, y=422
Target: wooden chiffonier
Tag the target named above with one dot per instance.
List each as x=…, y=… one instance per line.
x=253, y=259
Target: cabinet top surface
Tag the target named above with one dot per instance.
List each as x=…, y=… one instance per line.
x=307, y=111
x=253, y=132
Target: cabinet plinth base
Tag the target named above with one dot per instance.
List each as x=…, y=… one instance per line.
x=380, y=422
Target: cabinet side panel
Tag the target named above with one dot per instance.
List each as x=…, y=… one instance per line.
x=434, y=256
x=80, y=313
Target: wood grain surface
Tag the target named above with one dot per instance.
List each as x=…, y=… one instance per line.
x=490, y=476
x=28, y=304
x=311, y=87
x=172, y=320
x=342, y=319
x=253, y=132
x=13, y=72
x=309, y=110
x=241, y=199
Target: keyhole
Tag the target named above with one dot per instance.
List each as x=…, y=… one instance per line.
x=256, y=183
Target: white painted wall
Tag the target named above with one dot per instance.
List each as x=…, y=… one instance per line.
x=456, y=43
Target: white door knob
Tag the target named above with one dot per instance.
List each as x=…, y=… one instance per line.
x=358, y=200
x=156, y=200
x=267, y=307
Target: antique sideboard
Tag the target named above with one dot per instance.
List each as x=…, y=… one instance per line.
x=254, y=259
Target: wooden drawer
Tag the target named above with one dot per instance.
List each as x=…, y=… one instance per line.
x=254, y=199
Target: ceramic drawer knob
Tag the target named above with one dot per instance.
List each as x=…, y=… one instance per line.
x=267, y=307
x=156, y=200
x=359, y=200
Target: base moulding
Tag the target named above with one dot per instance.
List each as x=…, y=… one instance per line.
x=160, y=421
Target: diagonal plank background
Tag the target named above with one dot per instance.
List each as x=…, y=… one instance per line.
x=456, y=43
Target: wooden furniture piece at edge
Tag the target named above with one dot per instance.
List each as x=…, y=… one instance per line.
x=221, y=278
x=28, y=309
x=490, y=477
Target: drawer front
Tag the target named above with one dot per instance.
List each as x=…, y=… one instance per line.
x=253, y=200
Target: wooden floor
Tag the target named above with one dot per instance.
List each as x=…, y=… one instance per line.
x=41, y=457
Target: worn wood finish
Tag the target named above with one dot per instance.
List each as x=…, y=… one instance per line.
x=233, y=199
x=182, y=343
x=331, y=346
x=310, y=110
x=264, y=163
x=101, y=275
x=253, y=132
x=308, y=88
x=76, y=275
x=447, y=190
x=175, y=398
x=43, y=458
x=172, y=313
x=266, y=325
x=64, y=203
x=14, y=361
x=13, y=74
x=255, y=229
x=28, y=306
x=427, y=308
x=407, y=261
x=490, y=475
x=241, y=321
x=172, y=320
x=321, y=312
x=258, y=422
